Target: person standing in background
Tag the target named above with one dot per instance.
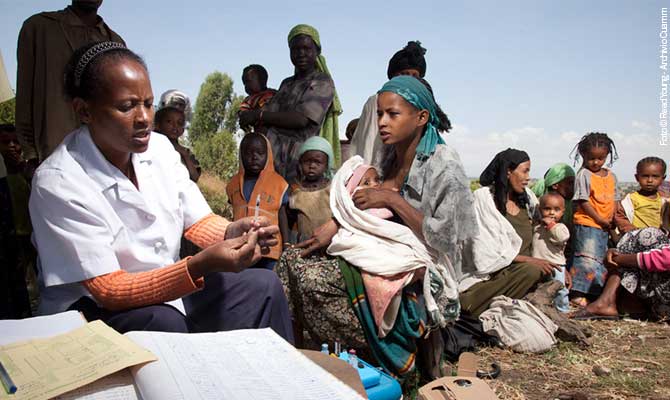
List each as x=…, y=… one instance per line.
x=46, y=42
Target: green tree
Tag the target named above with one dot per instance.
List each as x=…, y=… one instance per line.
x=231, y=123
x=217, y=154
x=216, y=94
x=7, y=112
x=212, y=132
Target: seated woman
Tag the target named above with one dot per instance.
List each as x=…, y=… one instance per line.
x=109, y=207
x=426, y=188
x=498, y=261
x=306, y=105
x=641, y=265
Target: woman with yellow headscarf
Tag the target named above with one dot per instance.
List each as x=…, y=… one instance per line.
x=306, y=104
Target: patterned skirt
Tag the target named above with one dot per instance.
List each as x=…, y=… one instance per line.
x=653, y=287
x=318, y=300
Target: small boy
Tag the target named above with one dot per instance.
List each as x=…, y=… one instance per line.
x=255, y=80
x=645, y=207
x=549, y=239
x=258, y=190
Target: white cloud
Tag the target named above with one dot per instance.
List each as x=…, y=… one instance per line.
x=547, y=148
x=640, y=125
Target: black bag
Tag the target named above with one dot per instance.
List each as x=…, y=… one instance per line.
x=466, y=334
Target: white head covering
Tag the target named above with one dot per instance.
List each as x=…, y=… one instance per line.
x=174, y=98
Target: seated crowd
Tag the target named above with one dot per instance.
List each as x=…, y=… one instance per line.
x=374, y=251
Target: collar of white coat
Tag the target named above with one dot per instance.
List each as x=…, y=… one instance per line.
x=86, y=153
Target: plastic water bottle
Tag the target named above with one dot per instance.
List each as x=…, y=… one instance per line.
x=353, y=358
x=324, y=348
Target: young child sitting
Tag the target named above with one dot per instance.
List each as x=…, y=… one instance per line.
x=310, y=196
x=549, y=239
x=170, y=120
x=645, y=207
x=255, y=80
x=258, y=190
x=595, y=188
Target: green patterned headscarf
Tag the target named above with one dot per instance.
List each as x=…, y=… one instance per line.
x=330, y=129
x=416, y=94
x=554, y=175
x=320, y=144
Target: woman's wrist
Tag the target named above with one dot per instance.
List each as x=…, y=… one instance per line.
x=197, y=265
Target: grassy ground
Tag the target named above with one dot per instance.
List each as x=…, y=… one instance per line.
x=636, y=353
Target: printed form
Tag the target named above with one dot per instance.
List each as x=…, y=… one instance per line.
x=44, y=368
x=244, y=364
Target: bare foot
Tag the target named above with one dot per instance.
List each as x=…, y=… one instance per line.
x=599, y=307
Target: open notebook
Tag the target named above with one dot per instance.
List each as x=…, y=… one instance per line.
x=242, y=364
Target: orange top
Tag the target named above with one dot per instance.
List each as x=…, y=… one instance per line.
x=121, y=290
x=270, y=186
x=602, y=190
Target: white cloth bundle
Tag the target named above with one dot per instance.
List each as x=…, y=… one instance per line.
x=385, y=248
x=519, y=325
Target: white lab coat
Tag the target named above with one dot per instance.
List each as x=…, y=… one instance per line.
x=90, y=220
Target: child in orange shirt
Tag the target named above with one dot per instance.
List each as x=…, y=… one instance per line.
x=595, y=189
x=258, y=189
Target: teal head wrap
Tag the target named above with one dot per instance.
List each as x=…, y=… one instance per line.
x=416, y=94
x=320, y=144
x=554, y=175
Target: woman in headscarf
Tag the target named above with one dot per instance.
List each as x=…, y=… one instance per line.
x=426, y=188
x=306, y=104
x=365, y=141
x=560, y=178
x=498, y=261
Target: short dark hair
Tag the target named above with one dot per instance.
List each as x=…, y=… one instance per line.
x=651, y=160
x=89, y=82
x=163, y=112
x=260, y=70
x=547, y=195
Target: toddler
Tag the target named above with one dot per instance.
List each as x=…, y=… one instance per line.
x=255, y=80
x=595, y=188
x=310, y=196
x=549, y=239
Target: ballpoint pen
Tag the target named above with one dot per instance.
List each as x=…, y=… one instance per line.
x=7, y=382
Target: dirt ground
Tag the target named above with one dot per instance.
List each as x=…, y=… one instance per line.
x=633, y=358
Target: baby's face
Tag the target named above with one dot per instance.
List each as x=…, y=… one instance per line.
x=552, y=207
x=370, y=179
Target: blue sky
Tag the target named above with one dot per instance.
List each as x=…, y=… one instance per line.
x=534, y=75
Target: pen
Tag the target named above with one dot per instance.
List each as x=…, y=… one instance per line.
x=7, y=382
x=258, y=205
